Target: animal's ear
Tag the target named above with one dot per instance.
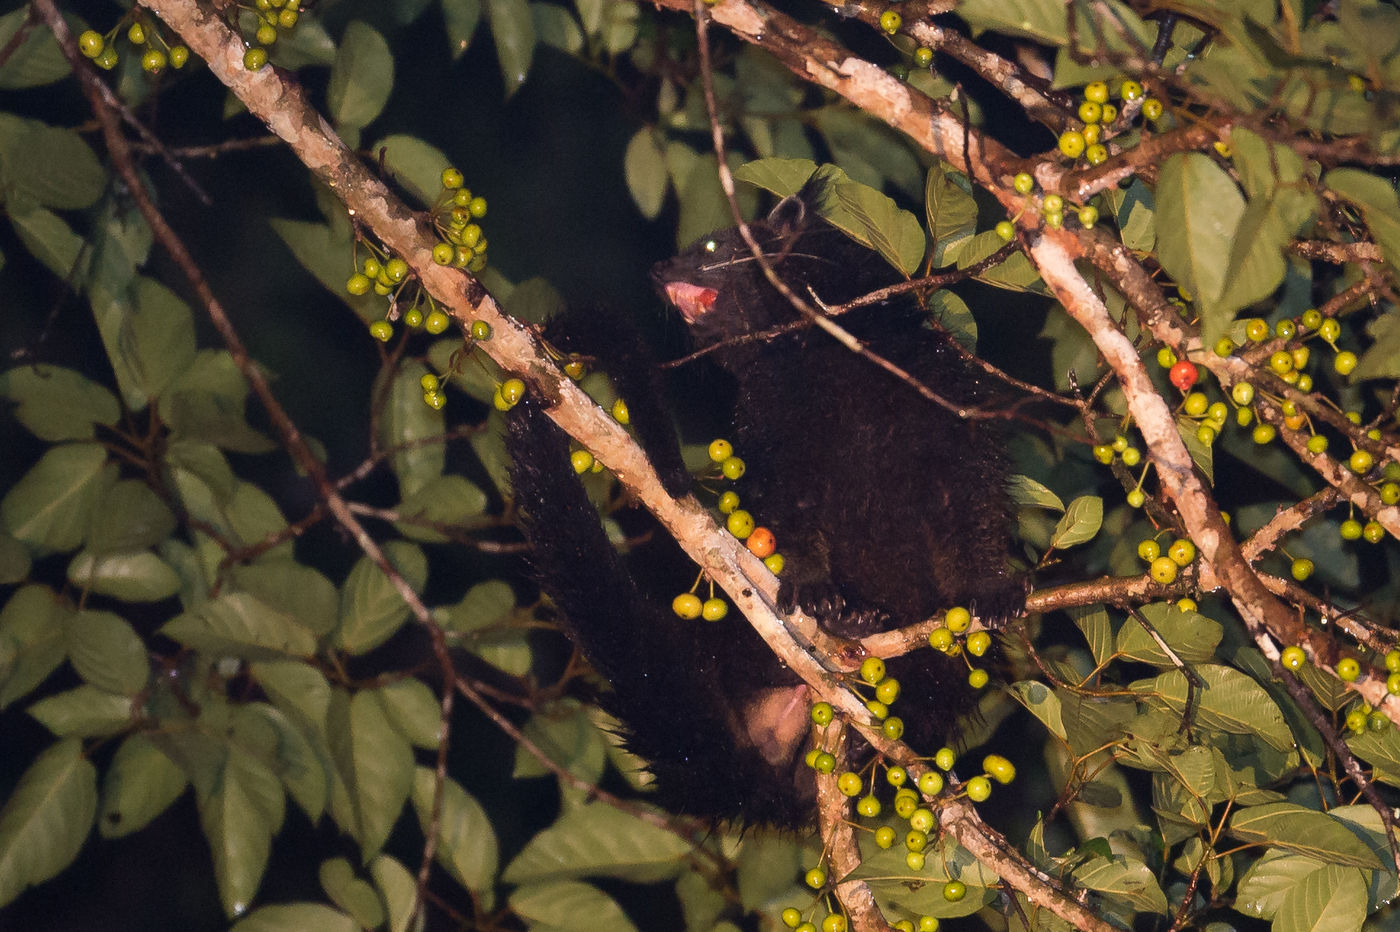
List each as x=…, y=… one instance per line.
x=790, y=213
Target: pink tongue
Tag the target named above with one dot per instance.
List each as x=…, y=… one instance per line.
x=690, y=300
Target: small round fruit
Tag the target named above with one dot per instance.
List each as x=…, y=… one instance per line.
x=1196, y=403
x=887, y=690
x=1093, y=133
x=978, y=642
x=1392, y=661
x=1264, y=433
x=1286, y=329
x=733, y=467
x=1006, y=230
x=1164, y=570
x=687, y=605
x=1052, y=203
x=1097, y=91
x=822, y=713
x=720, y=450
x=761, y=542
x=396, y=269
x=872, y=670
x=1377, y=721
x=1301, y=356
x=714, y=609
x=1356, y=720
x=999, y=768
x=153, y=60
x=1206, y=434
x=916, y=839
x=106, y=59
x=1130, y=90
x=620, y=412
x=1348, y=669
x=1344, y=362
x=1182, y=552
x=1329, y=329
x=1136, y=498
x=728, y=502
x=740, y=523
x=1293, y=657
x=1103, y=453
x=1390, y=493
x=849, y=784
x=1302, y=568
x=1071, y=143
x=868, y=806
x=581, y=460
x=1090, y=111
x=136, y=35
x=358, y=284
x=892, y=728
x=957, y=619
x=927, y=924
x=977, y=678
x=1023, y=183
x=930, y=781
x=1165, y=357
x=429, y=382
x=1224, y=347
x=1281, y=362
x=896, y=776
x=775, y=563
x=940, y=639
x=1185, y=605
x=512, y=390
x=1110, y=113
x=444, y=253
x=1361, y=462
x=1373, y=532
x=1096, y=153
x=1317, y=444
x=791, y=917
x=287, y=18
x=890, y=21
x=877, y=709
x=179, y=55
x=266, y=34
x=436, y=322
x=954, y=890
x=1392, y=684
x=1152, y=109
x=1351, y=529
x=905, y=802
x=1149, y=550
x=381, y=330
x=834, y=922
x=435, y=400
x=816, y=878
x=1183, y=375
x=885, y=836
x=914, y=860
x=1132, y=456
x=452, y=179
x=255, y=58
x=923, y=57
x=481, y=330
x=1088, y=216
x=413, y=318
x=90, y=43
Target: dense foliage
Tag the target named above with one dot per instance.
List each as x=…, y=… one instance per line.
x=261, y=594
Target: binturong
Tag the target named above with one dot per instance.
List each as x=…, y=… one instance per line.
x=887, y=507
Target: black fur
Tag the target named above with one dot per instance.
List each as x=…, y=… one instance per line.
x=887, y=507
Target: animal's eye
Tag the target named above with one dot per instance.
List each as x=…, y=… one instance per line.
x=711, y=245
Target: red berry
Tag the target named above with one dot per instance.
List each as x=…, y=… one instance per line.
x=1183, y=374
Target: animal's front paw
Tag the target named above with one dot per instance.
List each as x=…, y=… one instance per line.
x=999, y=600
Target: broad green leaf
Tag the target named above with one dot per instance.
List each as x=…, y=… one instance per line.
x=374, y=764
x=84, y=712
x=140, y=784
x=1025, y=491
x=875, y=220
x=1267, y=882
x=238, y=625
x=1030, y=19
x=1041, y=702
x=325, y=252
x=37, y=60
x=414, y=165
x=107, y=652
x=207, y=402
x=371, y=608
x=408, y=427
x=32, y=644
x=485, y=604
x=54, y=167
x=1191, y=636
x=413, y=709
x=149, y=335
x=128, y=517
x=130, y=577
x=644, y=165
x=535, y=301
x=872, y=153
x=599, y=841
x=466, y=841
x=47, y=818
x=566, y=735
x=46, y=235
x=570, y=904
x=448, y=500
x=952, y=314
x=950, y=211
x=298, y=689
x=14, y=561
x=303, y=765
x=783, y=177
x=50, y=507
x=294, y=589
x=1198, y=211
x=297, y=917
x=398, y=888
x=362, y=76
x=1382, y=360
x=556, y=26
x=1230, y=702
x=1262, y=165
x=1303, y=831
x=1126, y=879
x=58, y=404
x=1080, y=522
x=239, y=818
x=1379, y=205
x=513, y=30
x=1257, y=264
x=350, y=893
x=460, y=18
x=620, y=26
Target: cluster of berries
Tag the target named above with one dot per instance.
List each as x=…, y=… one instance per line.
x=156, y=53
x=1361, y=717
x=1098, y=114
x=1051, y=208
x=273, y=18
x=1163, y=567
x=953, y=638
x=759, y=540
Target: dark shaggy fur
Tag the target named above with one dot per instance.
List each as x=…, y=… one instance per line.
x=887, y=507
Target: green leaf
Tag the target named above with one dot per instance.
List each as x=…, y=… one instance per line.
x=1193, y=637
x=1379, y=205
x=140, y=784
x=54, y=167
x=362, y=76
x=600, y=841
x=412, y=708
x=325, y=252
x=783, y=177
x=47, y=818
x=466, y=842
x=1198, y=211
x=1025, y=491
x=238, y=625
x=129, y=516
x=1044, y=22
x=513, y=29
x=460, y=18
x=568, y=738
x=1080, y=522
x=32, y=644
x=50, y=507
x=298, y=753
x=556, y=26
x=1257, y=266
x=398, y=888
x=84, y=712
x=107, y=652
x=293, y=589
x=569, y=904
x=371, y=608
x=130, y=577
x=872, y=153
x=297, y=688
x=374, y=764
x=14, y=561
x=644, y=165
x=1303, y=831
x=876, y=221
x=448, y=500
x=46, y=235
x=239, y=818
x=149, y=335
x=408, y=426
x=37, y=59
x=350, y=893
x=1125, y=879
x=416, y=166
x=1264, y=886
x=1230, y=702
x=206, y=402
x=1382, y=359
x=1041, y=702
x=950, y=210
x=297, y=917
x=58, y=404
x=485, y=604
